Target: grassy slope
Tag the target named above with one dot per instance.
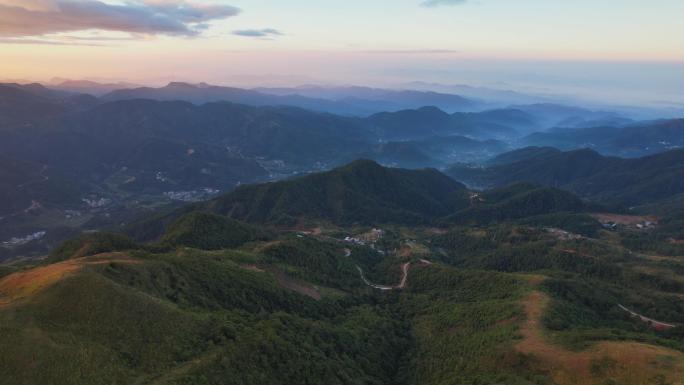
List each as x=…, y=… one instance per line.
x=211, y=317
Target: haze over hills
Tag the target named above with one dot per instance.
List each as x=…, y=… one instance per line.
x=120, y=157
x=630, y=140
x=90, y=87
x=372, y=102
x=609, y=179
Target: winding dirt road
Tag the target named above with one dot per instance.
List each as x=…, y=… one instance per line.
x=657, y=325
x=402, y=283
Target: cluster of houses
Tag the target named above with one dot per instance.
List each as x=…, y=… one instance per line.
x=68, y=214
x=644, y=225
x=562, y=234
x=368, y=238
x=476, y=198
x=95, y=203
x=355, y=240
x=16, y=241
x=192, y=196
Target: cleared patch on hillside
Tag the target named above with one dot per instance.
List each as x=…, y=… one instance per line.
x=253, y=268
x=624, y=363
x=623, y=219
x=296, y=285
x=24, y=284
x=412, y=249
x=660, y=272
x=660, y=258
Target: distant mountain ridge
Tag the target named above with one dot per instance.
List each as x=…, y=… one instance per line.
x=121, y=155
x=428, y=122
x=632, y=140
x=205, y=93
x=585, y=172
x=88, y=86
x=382, y=99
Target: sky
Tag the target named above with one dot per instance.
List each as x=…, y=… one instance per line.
x=627, y=50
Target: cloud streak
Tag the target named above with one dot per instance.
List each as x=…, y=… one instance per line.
x=9, y=40
x=413, y=52
x=261, y=33
x=440, y=3
x=147, y=17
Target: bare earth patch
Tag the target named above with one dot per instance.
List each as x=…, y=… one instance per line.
x=405, y=251
x=24, y=284
x=625, y=363
x=660, y=258
x=436, y=231
x=253, y=268
x=289, y=283
x=623, y=219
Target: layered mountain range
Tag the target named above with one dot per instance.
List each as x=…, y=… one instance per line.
x=79, y=162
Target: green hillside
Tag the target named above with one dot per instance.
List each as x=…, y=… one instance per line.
x=211, y=232
x=585, y=172
x=516, y=202
x=362, y=192
x=516, y=286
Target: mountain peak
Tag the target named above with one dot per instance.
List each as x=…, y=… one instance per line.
x=362, y=164
x=180, y=85
x=431, y=109
x=362, y=192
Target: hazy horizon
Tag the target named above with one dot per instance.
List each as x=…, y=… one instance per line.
x=622, y=52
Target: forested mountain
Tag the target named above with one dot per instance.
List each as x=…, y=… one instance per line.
x=365, y=193
x=522, y=154
x=28, y=104
x=19, y=108
x=517, y=201
x=211, y=232
x=117, y=135
x=118, y=157
x=409, y=154
x=430, y=121
x=585, y=172
x=153, y=147
x=331, y=207
x=633, y=140
x=216, y=300
x=362, y=192
x=26, y=186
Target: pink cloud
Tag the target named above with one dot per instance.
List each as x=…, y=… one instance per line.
x=148, y=17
